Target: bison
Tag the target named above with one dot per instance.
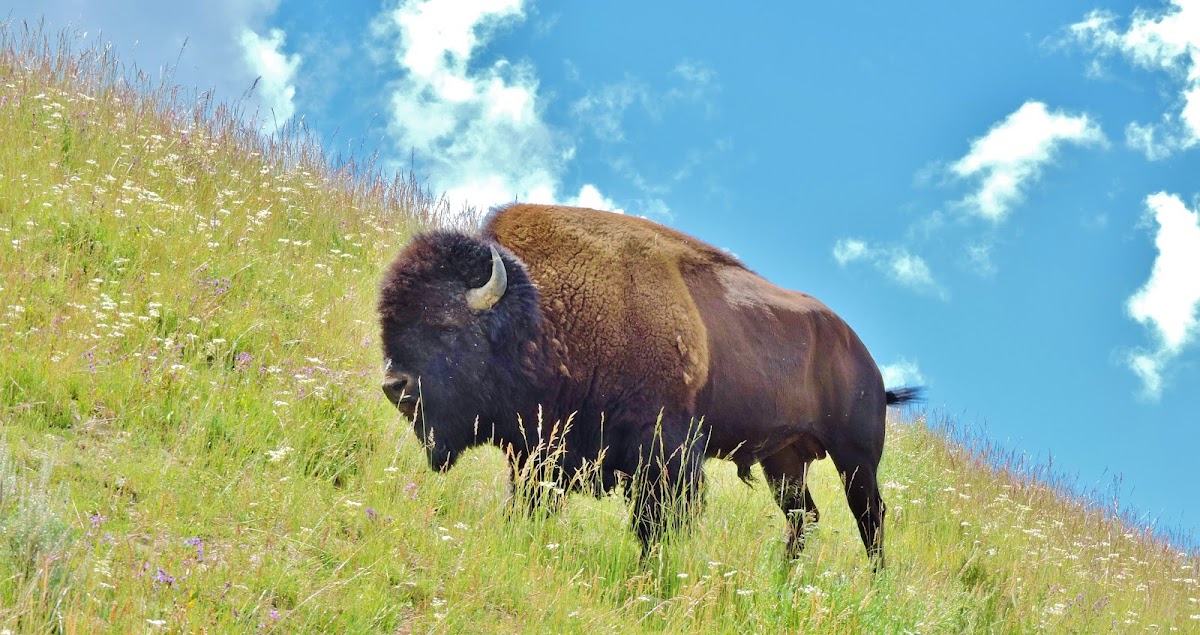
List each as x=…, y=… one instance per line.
x=658, y=349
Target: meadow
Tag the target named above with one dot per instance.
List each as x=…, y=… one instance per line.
x=193, y=439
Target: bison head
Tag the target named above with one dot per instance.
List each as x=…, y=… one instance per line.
x=459, y=319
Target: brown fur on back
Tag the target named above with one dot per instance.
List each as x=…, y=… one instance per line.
x=625, y=335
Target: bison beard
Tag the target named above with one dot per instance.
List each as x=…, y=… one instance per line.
x=659, y=350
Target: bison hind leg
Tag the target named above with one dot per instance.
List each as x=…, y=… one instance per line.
x=787, y=474
x=866, y=504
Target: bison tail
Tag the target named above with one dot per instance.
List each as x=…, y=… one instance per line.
x=908, y=394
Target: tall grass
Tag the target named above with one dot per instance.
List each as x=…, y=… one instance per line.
x=194, y=440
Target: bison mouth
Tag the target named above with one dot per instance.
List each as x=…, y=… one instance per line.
x=441, y=454
x=441, y=459
x=408, y=406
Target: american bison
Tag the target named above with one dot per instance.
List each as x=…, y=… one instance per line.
x=659, y=349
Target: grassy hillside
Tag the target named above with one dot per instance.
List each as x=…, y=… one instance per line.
x=193, y=439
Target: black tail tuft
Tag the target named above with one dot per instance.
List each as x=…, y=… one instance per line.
x=908, y=394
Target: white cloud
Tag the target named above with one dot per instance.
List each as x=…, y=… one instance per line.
x=1168, y=41
x=901, y=373
x=1013, y=153
x=849, y=250
x=698, y=74
x=896, y=262
x=909, y=269
x=699, y=84
x=979, y=256
x=1169, y=301
x=197, y=44
x=477, y=129
x=277, y=73
x=591, y=197
x=604, y=109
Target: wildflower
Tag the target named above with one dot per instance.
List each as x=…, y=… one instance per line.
x=276, y=456
x=371, y=513
x=242, y=361
x=199, y=545
x=162, y=577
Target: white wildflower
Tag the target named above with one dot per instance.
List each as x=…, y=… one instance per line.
x=276, y=456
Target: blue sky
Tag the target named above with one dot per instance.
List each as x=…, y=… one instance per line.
x=1000, y=197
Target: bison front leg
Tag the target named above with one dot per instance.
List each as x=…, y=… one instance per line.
x=667, y=486
x=533, y=488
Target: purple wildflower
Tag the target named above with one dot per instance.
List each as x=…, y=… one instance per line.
x=90, y=356
x=216, y=285
x=96, y=520
x=162, y=577
x=411, y=490
x=199, y=545
x=371, y=513
x=242, y=361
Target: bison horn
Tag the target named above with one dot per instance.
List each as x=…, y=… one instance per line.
x=484, y=297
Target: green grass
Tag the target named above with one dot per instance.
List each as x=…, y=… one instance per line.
x=194, y=439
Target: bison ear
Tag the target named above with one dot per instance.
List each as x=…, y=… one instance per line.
x=489, y=294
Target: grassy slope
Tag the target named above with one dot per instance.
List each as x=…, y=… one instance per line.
x=193, y=439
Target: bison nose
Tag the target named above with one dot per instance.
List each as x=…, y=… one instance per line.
x=399, y=388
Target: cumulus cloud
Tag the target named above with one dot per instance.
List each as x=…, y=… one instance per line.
x=478, y=128
x=1169, y=302
x=897, y=263
x=276, y=72
x=1167, y=41
x=1013, y=153
x=591, y=197
x=903, y=372
x=850, y=249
